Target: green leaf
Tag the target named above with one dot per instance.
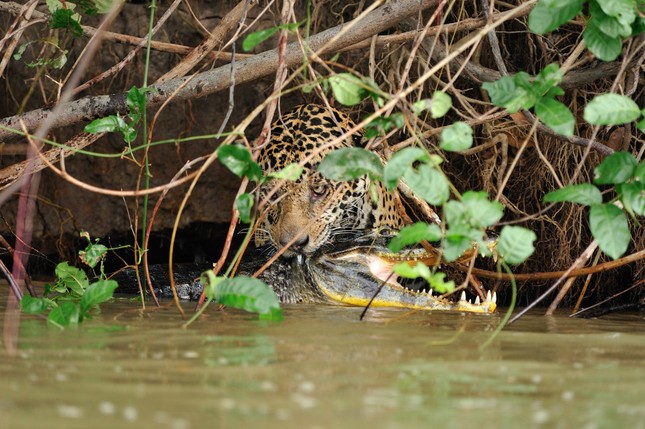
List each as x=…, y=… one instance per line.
x=440, y=104
x=291, y=172
x=244, y=204
x=609, y=227
x=455, y=244
x=515, y=244
x=96, y=294
x=34, y=305
x=66, y=18
x=70, y=279
x=136, y=102
x=414, y=234
x=348, y=89
x=622, y=10
x=546, y=16
x=457, y=137
x=482, y=212
x=237, y=158
x=505, y=93
x=633, y=197
x=607, y=24
x=254, y=39
x=350, y=163
x=383, y=124
x=93, y=254
x=65, y=314
x=556, y=116
x=405, y=270
x=639, y=174
x=428, y=183
x=109, y=124
x=611, y=109
x=248, y=294
x=548, y=78
x=583, y=193
x=616, y=168
x=400, y=162
x=438, y=283
x=605, y=48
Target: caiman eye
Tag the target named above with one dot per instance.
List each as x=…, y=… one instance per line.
x=319, y=190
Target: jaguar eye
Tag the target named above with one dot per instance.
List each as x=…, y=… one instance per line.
x=318, y=190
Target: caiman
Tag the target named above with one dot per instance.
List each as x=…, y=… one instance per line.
x=349, y=272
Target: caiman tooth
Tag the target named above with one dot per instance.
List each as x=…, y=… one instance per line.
x=477, y=301
x=430, y=291
x=495, y=297
x=463, y=296
x=488, y=298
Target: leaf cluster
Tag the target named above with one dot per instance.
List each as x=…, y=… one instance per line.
x=607, y=221
x=72, y=297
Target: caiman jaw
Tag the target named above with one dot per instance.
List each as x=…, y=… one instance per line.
x=354, y=278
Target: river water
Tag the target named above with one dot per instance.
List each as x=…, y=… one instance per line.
x=323, y=368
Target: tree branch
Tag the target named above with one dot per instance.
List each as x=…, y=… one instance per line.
x=206, y=83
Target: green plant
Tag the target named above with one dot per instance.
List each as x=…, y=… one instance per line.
x=71, y=299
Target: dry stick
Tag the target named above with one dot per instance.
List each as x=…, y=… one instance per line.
x=580, y=262
x=15, y=288
x=155, y=210
x=118, y=67
x=212, y=81
x=28, y=284
x=550, y=275
x=264, y=134
x=171, y=48
x=236, y=16
x=28, y=11
x=211, y=42
x=581, y=259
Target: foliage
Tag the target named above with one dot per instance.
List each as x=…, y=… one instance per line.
x=257, y=37
x=72, y=298
x=608, y=23
x=244, y=293
x=519, y=92
x=136, y=102
x=607, y=221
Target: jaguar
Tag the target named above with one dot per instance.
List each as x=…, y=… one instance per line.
x=307, y=213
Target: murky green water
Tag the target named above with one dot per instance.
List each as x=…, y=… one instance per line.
x=322, y=368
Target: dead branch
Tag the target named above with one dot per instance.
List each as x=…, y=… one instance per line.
x=206, y=83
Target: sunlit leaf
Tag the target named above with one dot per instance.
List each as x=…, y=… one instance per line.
x=611, y=109
x=609, y=227
x=96, y=294
x=556, y=116
x=616, y=168
x=583, y=193
x=482, y=212
x=350, y=163
x=440, y=104
x=457, y=137
x=291, y=172
x=604, y=47
x=34, y=305
x=70, y=278
x=413, y=234
x=67, y=313
x=400, y=162
x=248, y=294
x=237, y=158
x=633, y=197
x=515, y=244
x=547, y=15
x=348, y=89
x=428, y=183
x=244, y=204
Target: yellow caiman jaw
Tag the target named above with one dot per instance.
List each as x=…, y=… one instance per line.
x=354, y=278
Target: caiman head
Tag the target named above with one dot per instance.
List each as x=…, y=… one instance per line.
x=353, y=274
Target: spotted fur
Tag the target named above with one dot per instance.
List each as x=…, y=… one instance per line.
x=311, y=210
